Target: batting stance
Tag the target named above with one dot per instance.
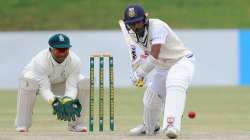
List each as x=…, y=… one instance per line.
x=173, y=66
x=54, y=73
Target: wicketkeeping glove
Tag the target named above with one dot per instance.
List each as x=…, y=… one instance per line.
x=58, y=108
x=72, y=108
x=77, y=107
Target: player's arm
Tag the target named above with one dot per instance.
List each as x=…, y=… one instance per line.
x=155, y=50
x=72, y=81
x=151, y=60
x=41, y=74
x=159, y=36
x=145, y=64
x=71, y=105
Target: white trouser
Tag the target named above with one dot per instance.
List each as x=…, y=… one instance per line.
x=29, y=88
x=153, y=100
x=167, y=92
x=178, y=80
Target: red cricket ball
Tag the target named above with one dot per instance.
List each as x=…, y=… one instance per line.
x=191, y=115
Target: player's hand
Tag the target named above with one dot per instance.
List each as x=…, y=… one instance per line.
x=137, y=62
x=72, y=108
x=77, y=107
x=139, y=83
x=136, y=79
x=67, y=106
x=58, y=108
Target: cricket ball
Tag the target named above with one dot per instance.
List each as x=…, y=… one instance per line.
x=191, y=115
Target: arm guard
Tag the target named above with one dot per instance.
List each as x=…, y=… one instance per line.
x=146, y=67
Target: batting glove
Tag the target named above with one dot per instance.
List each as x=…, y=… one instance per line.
x=137, y=80
x=138, y=62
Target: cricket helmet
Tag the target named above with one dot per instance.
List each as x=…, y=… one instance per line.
x=134, y=13
x=59, y=41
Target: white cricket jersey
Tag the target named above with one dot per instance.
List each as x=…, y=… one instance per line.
x=172, y=48
x=47, y=72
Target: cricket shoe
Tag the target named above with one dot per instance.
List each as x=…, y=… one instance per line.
x=21, y=129
x=78, y=128
x=141, y=130
x=171, y=132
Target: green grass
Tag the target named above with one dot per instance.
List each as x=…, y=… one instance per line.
x=217, y=108
x=104, y=14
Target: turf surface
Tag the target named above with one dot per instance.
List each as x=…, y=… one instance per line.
x=222, y=113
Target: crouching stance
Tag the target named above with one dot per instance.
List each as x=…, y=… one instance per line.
x=54, y=73
x=173, y=66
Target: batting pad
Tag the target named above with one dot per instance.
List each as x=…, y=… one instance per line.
x=152, y=110
x=174, y=106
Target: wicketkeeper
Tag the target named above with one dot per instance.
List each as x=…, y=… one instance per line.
x=54, y=73
x=173, y=66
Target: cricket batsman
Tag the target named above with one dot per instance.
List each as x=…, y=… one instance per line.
x=173, y=66
x=54, y=73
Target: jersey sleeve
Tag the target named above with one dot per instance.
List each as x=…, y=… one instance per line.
x=159, y=35
x=72, y=81
x=41, y=75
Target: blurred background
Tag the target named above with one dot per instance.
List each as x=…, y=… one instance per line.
x=217, y=31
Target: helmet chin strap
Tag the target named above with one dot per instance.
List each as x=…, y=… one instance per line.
x=143, y=38
x=141, y=32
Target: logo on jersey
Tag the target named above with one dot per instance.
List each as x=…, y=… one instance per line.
x=61, y=38
x=131, y=12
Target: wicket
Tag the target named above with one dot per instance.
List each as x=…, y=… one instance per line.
x=101, y=57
